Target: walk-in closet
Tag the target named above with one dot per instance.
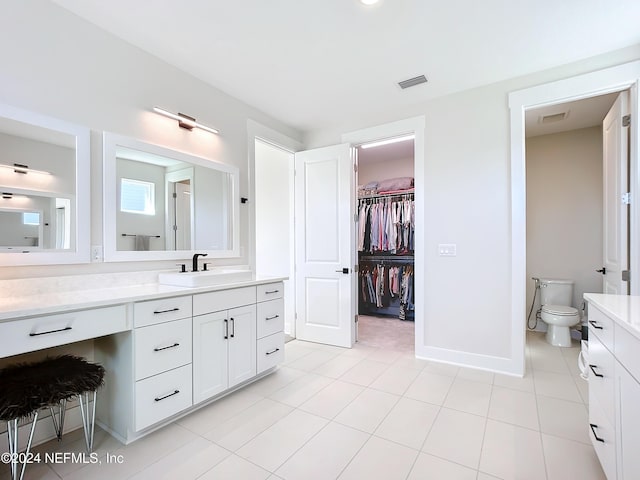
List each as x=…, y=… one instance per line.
x=386, y=244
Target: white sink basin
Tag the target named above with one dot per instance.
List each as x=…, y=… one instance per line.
x=219, y=276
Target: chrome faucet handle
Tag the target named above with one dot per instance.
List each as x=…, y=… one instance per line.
x=204, y=266
x=183, y=267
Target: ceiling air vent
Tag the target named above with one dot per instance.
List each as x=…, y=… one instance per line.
x=554, y=117
x=412, y=82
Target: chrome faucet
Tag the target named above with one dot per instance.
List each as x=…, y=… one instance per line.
x=195, y=261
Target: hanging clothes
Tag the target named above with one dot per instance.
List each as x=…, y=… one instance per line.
x=386, y=224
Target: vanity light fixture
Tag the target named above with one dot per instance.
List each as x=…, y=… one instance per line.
x=387, y=141
x=184, y=121
x=23, y=169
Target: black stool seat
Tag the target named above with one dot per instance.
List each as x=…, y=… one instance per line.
x=28, y=387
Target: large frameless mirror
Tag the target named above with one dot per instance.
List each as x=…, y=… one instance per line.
x=44, y=189
x=165, y=204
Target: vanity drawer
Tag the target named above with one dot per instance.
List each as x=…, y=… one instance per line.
x=601, y=326
x=270, y=317
x=628, y=351
x=162, y=396
x=162, y=310
x=270, y=291
x=161, y=347
x=270, y=351
x=603, y=438
x=28, y=335
x=602, y=388
x=223, y=300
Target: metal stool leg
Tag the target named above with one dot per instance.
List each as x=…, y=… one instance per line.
x=58, y=423
x=12, y=432
x=88, y=418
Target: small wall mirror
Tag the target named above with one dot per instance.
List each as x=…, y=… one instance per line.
x=44, y=189
x=165, y=204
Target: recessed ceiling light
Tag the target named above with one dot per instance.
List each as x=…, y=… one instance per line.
x=368, y=2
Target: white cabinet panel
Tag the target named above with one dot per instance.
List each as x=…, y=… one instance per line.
x=270, y=317
x=210, y=367
x=162, y=347
x=161, y=396
x=270, y=291
x=223, y=300
x=161, y=310
x=270, y=351
x=629, y=467
x=28, y=335
x=242, y=344
x=602, y=377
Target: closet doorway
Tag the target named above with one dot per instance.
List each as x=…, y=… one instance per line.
x=385, y=242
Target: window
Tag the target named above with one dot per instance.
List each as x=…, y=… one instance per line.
x=31, y=218
x=137, y=196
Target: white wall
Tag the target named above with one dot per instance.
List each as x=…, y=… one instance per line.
x=564, y=210
x=67, y=68
x=467, y=201
x=380, y=170
x=273, y=229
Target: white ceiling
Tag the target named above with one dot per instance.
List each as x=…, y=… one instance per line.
x=330, y=63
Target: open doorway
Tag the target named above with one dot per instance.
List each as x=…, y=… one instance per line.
x=565, y=198
x=386, y=243
x=274, y=220
x=611, y=80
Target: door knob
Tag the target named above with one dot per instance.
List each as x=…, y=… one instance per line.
x=603, y=270
x=344, y=270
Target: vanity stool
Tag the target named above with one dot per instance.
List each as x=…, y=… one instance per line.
x=25, y=388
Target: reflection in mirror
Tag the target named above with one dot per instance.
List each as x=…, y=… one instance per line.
x=44, y=169
x=166, y=204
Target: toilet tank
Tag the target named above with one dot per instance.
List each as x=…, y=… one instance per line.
x=556, y=291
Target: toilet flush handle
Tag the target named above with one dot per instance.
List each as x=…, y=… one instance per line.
x=603, y=270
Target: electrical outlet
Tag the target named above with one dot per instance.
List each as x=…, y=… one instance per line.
x=96, y=253
x=447, y=249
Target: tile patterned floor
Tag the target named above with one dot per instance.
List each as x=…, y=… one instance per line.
x=369, y=413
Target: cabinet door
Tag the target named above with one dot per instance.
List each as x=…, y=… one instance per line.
x=629, y=425
x=242, y=344
x=209, y=355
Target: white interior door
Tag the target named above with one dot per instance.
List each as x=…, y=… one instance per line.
x=325, y=245
x=615, y=146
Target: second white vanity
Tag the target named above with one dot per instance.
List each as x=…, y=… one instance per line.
x=614, y=383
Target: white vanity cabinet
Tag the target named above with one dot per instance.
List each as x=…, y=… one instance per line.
x=614, y=386
x=224, y=339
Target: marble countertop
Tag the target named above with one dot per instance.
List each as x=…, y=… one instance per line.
x=48, y=301
x=623, y=309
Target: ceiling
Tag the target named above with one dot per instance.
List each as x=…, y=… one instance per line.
x=334, y=63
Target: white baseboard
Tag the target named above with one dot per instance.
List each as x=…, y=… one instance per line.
x=471, y=360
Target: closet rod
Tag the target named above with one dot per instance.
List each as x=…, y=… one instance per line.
x=132, y=235
x=373, y=258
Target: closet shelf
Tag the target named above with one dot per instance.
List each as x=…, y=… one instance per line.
x=395, y=193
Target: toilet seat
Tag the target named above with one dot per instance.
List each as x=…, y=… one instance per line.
x=560, y=310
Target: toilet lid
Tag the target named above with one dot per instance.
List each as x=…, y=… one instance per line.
x=559, y=310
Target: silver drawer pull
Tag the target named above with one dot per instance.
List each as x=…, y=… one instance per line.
x=156, y=312
x=593, y=369
x=271, y=291
x=593, y=430
x=165, y=348
x=271, y=318
x=50, y=331
x=175, y=392
x=595, y=325
x=272, y=351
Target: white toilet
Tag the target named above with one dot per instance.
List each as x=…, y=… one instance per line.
x=557, y=312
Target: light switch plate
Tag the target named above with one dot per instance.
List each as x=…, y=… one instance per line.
x=96, y=253
x=447, y=249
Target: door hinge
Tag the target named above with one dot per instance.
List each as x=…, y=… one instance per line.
x=355, y=318
x=355, y=217
x=355, y=168
x=174, y=228
x=626, y=198
x=626, y=275
x=356, y=268
x=175, y=195
x=626, y=120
